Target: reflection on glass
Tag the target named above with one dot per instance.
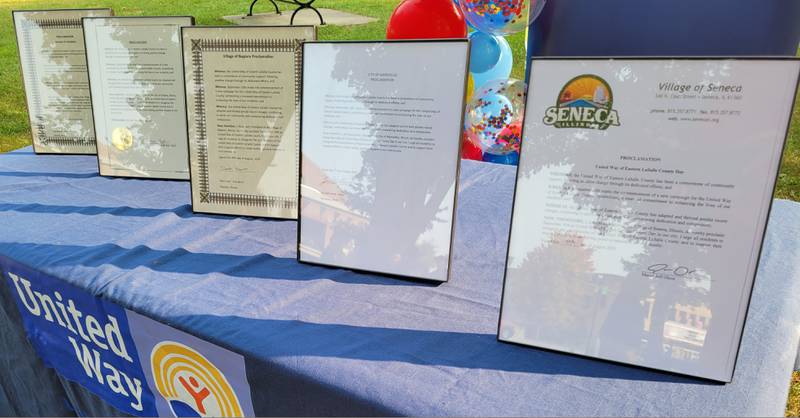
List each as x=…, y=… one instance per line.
x=381, y=126
x=136, y=78
x=242, y=90
x=641, y=201
x=53, y=62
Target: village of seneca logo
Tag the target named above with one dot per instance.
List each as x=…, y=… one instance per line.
x=191, y=385
x=584, y=102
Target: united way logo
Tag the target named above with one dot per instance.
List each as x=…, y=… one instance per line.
x=584, y=102
x=191, y=384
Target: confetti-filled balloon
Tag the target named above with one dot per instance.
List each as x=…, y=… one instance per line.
x=508, y=140
x=494, y=57
x=497, y=17
x=494, y=118
x=426, y=19
x=536, y=9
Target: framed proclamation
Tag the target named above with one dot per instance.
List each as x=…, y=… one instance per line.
x=53, y=66
x=136, y=84
x=643, y=192
x=243, y=110
x=381, y=126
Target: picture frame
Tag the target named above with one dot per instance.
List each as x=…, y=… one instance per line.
x=308, y=252
x=59, y=84
x=146, y=136
x=592, y=301
x=244, y=163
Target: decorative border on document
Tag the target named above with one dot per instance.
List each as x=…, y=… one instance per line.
x=36, y=98
x=245, y=45
x=58, y=23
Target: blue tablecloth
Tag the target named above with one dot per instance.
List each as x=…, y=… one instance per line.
x=322, y=341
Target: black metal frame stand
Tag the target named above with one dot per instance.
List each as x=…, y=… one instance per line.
x=300, y=6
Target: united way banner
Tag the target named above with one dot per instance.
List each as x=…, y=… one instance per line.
x=190, y=376
x=136, y=364
x=86, y=339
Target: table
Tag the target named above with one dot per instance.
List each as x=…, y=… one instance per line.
x=324, y=341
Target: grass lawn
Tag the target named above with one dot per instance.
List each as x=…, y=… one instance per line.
x=793, y=405
x=14, y=131
x=789, y=178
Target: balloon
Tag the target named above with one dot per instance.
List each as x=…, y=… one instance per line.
x=469, y=25
x=508, y=140
x=484, y=52
x=424, y=19
x=507, y=159
x=501, y=69
x=496, y=17
x=470, y=86
x=494, y=117
x=470, y=150
x=536, y=9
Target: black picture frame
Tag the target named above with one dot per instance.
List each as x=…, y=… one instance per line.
x=457, y=156
x=762, y=231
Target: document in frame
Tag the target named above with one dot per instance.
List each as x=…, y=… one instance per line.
x=138, y=103
x=642, y=197
x=381, y=129
x=53, y=66
x=243, y=104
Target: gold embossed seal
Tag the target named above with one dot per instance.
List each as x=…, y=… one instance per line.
x=122, y=138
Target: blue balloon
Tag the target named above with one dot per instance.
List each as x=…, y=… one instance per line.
x=484, y=52
x=507, y=159
x=502, y=67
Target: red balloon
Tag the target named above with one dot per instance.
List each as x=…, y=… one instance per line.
x=470, y=150
x=426, y=19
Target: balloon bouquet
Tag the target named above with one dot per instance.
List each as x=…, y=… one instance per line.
x=495, y=103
